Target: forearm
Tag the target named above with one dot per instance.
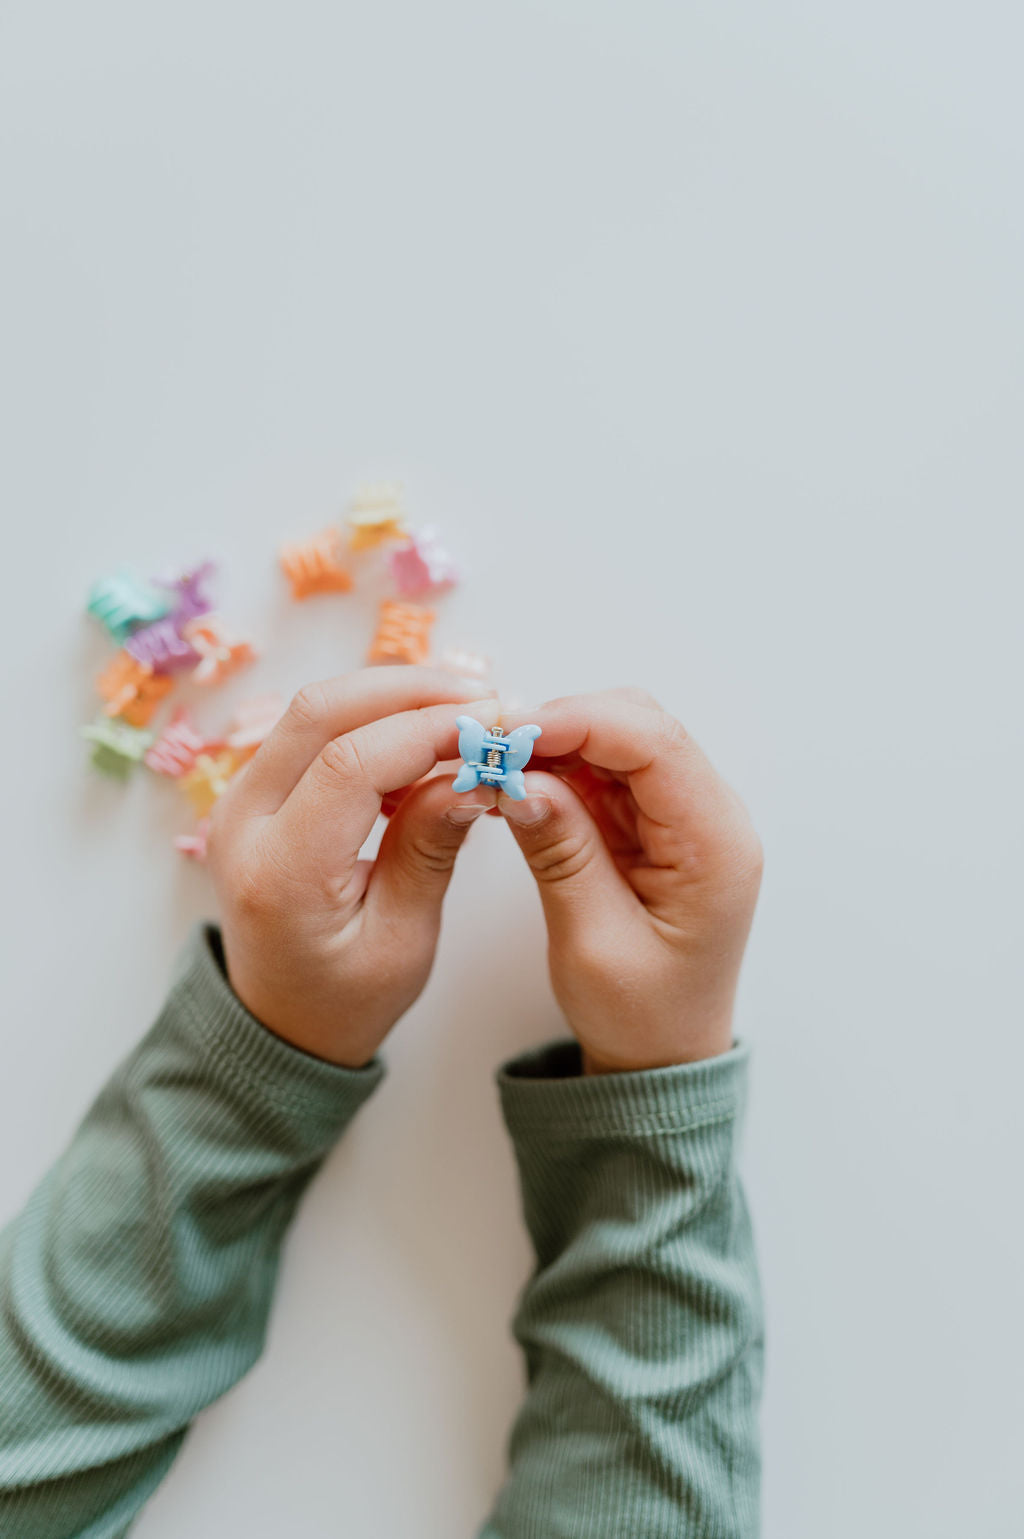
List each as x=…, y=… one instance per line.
x=641, y=1325
x=135, y=1286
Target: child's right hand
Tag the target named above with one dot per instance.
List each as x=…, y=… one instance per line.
x=648, y=869
x=325, y=949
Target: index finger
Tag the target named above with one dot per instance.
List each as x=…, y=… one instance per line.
x=668, y=774
x=335, y=805
x=327, y=709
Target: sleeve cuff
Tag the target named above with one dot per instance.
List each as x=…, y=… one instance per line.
x=236, y=1048
x=545, y=1094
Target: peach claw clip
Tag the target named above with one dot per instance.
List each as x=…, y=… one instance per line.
x=220, y=653
x=131, y=689
x=315, y=566
x=403, y=633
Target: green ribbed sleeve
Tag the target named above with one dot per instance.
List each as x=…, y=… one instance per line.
x=641, y=1325
x=136, y=1283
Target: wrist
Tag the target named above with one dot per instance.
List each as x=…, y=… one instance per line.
x=313, y=1019
x=250, y=1061
x=664, y=1047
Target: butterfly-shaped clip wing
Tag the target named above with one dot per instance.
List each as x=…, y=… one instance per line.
x=490, y=758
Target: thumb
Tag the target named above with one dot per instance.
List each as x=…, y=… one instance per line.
x=417, y=853
x=580, y=885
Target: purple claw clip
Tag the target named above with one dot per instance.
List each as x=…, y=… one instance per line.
x=162, y=646
x=192, y=599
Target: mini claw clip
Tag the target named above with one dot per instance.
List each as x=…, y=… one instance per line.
x=377, y=516
x=162, y=646
x=116, y=747
x=316, y=566
x=253, y=721
x=220, y=654
x=124, y=601
x=492, y=759
x=403, y=633
x=191, y=587
x=467, y=664
x=422, y=565
x=208, y=779
x=176, y=749
x=194, y=844
x=131, y=689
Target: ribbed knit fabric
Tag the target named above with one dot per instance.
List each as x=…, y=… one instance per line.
x=135, y=1286
x=641, y=1325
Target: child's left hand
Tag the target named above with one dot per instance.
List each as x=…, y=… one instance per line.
x=325, y=949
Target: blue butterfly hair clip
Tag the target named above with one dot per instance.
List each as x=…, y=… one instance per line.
x=492, y=759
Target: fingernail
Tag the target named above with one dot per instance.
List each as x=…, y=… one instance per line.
x=532, y=810
x=463, y=814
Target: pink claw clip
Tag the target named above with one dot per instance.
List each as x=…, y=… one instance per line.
x=422, y=565
x=176, y=749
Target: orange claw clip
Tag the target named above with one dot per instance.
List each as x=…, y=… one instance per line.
x=403, y=633
x=131, y=689
x=315, y=566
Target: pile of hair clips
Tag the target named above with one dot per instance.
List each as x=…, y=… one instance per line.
x=168, y=635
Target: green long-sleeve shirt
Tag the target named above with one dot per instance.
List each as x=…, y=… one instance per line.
x=136, y=1284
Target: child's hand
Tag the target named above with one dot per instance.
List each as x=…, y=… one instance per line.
x=648, y=870
x=323, y=948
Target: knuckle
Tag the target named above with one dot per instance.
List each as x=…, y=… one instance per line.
x=340, y=759
x=672, y=735
x=429, y=856
x=562, y=858
x=308, y=706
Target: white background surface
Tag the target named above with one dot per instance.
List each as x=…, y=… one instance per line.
x=698, y=329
